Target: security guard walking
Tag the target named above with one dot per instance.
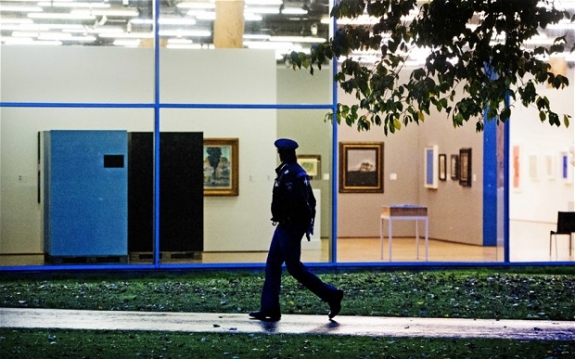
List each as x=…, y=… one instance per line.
x=293, y=210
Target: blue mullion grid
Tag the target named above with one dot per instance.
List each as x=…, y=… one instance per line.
x=156, y=142
x=333, y=106
x=334, y=161
x=506, y=144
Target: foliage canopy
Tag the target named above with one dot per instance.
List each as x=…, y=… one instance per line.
x=478, y=62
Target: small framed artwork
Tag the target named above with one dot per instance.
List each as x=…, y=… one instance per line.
x=361, y=167
x=534, y=167
x=550, y=167
x=465, y=167
x=567, y=167
x=430, y=167
x=454, y=167
x=221, y=166
x=516, y=169
x=311, y=164
x=443, y=167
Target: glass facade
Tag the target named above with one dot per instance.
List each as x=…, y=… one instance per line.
x=156, y=198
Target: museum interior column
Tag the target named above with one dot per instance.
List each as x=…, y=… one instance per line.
x=229, y=24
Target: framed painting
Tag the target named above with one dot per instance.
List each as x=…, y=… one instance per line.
x=361, y=167
x=311, y=164
x=516, y=168
x=567, y=167
x=221, y=166
x=430, y=167
x=534, y=167
x=442, y=167
x=454, y=167
x=550, y=166
x=465, y=167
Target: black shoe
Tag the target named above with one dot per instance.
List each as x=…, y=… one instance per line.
x=335, y=304
x=272, y=317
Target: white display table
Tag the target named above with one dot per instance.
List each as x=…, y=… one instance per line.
x=404, y=212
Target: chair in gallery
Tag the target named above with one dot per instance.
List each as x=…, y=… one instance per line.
x=565, y=226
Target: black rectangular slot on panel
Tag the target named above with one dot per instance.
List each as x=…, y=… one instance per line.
x=113, y=161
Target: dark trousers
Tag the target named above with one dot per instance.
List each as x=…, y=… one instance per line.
x=286, y=248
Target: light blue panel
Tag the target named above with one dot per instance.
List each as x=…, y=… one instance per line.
x=86, y=193
x=429, y=160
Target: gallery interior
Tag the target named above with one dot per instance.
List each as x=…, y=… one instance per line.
x=108, y=133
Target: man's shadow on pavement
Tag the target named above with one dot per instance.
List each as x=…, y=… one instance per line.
x=272, y=327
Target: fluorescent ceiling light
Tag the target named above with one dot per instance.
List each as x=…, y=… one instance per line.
x=304, y=39
x=39, y=27
x=256, y=36
x=61, y=16
x=202, y=15
x=360, y=20
x=47, y=43
x=196, y=5
x=105, y=30
x=16, y=40
x=82, y=38
x=177, y=41
x=252, y=17
x=127, y=43
x=266, y=45
x=165, y=21
x=16, y=8
x=14, y=20
x=108, y=12
x=91, y=5
x=24, y=34
x=126, y=35
x=185, y=33
x=190, y=46
x=54, y=35
x=264, y=2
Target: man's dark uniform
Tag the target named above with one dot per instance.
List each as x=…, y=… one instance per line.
x=293, y=209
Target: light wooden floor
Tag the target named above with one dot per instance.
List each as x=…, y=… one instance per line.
x=352, y=250
x=369, y=250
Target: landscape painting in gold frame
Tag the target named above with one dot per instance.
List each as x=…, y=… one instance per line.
x=221, y=166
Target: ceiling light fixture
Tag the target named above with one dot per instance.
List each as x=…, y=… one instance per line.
x=72, y=4
x=196, y=5
x=60, y=16
x=107, y=12
x=15, y=8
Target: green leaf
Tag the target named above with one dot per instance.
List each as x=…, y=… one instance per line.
x=542, y=116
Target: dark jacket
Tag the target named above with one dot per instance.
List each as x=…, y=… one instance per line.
x=293, y=200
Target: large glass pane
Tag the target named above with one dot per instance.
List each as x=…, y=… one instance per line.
x=237, y=189
x=269, y=29
x=64, y=184
x=77, y=74
x=453, y=208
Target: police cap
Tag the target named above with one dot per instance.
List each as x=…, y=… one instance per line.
x=286, y=144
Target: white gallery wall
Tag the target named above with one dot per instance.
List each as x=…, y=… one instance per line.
x=537, y=187
x=125, y=76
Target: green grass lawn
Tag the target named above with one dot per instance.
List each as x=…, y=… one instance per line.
x=532, y=293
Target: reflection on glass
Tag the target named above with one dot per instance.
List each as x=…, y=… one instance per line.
x=190, y=24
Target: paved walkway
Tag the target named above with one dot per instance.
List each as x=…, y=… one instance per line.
x=296, y=324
